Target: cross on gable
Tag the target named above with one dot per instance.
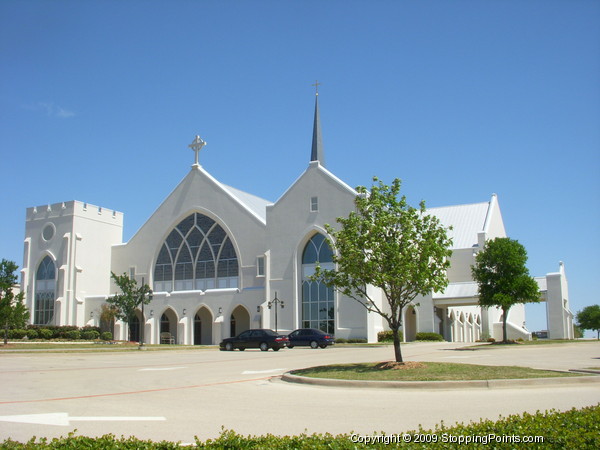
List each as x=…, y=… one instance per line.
x=197, y=145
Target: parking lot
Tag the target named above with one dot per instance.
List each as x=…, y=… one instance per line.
x=176, y=395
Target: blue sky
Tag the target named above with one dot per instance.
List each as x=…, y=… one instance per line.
x=460, y=99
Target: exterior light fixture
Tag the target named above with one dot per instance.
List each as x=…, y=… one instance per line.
x=274, y=303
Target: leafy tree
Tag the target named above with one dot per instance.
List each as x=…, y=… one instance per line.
x=13, y=312
x=392, y=246
x=503, y=278
x=130, y=299
x=589, y=319
x=108, y=314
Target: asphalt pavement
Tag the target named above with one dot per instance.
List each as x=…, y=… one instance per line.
x=176, y=395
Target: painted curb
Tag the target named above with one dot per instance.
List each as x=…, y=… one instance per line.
x=470, y=384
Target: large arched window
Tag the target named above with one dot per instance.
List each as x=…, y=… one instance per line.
x=45, y=291
x=197, y=254
x=317, y=298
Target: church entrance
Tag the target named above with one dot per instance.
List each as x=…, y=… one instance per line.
x=410, y=324
x=168, y=327
x=134, y=329
x=240, y=321
x=203, y=327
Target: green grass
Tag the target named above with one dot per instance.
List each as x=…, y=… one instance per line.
x=431, y=371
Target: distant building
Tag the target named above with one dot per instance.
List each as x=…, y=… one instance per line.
x=215, y=256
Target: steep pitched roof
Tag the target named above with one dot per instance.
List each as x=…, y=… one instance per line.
x=466, y=222
x=255, y=204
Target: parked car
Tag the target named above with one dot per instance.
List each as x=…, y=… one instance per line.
x=310, y=336
x=258, y=338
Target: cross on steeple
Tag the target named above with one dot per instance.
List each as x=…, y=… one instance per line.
x=316, y=85
x=197, y=145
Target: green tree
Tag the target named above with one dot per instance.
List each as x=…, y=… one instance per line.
x=130, y=299
x=589, y=319
x=392, y=246
x=13, y=312
x=108, y=314
x=503, y=277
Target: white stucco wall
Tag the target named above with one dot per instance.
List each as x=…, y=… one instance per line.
x=80, y=247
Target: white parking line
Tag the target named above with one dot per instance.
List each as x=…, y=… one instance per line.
x=160, y=368
x=252, y=372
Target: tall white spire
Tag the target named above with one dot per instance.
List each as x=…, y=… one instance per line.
x=317, y=153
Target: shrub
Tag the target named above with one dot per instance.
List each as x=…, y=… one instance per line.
x=340, y=341
x=32, y=334
x=357, y=341
x=388, y=336
x=17, y=334
x=491, y=339
x=577, y=428
x=90, y=335
x=429, y=337
x=106, y=336
x=73, y=335
x=45, y=333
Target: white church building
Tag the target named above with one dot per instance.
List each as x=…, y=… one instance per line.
x=216, y=257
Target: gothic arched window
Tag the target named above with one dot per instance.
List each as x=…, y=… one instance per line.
x=197, y=255
x=317, y=298
x=45, y=291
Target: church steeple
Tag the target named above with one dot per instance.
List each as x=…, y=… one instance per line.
x=317, y=153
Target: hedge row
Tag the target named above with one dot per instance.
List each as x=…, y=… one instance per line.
x=429, y=337
x=71, y=333
x=388, y=336
x=350, y=341
x=577, y=428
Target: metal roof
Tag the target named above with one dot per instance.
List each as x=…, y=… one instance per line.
x=466, y=222
x=255, y=204
x=458, y=290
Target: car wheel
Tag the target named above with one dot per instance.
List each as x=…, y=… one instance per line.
x=229, y=347
x=241, y=349
x=290, y=346
x=323, y=345
x=276, y=349
x=313, y=344
x=264, y=347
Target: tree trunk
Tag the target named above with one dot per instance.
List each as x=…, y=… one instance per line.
x=6, y=334
x=397, y=351
x=504, y=314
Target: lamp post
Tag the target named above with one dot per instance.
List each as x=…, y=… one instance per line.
x=274, y=303
x=143, y=324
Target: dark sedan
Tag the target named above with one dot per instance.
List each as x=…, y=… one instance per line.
x=310, y=336
x=260, y=338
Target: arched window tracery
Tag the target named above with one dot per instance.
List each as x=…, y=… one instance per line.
x=196, y=255
x=45, y=292
x=317, y=298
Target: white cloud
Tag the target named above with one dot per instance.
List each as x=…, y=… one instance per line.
x=50, y=109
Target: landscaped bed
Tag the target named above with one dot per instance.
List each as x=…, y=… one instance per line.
x=424, y=371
